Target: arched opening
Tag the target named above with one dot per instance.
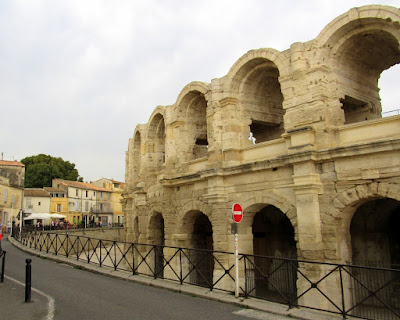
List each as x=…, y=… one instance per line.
x=201, y=257
x=273, y=243
x=157, y=237
x=137, y=144
x=375, y=241
x=375, y=237
x=197, y=125
x=388, y=91
x=156, y=136
x=361, y=60
x=262, y=99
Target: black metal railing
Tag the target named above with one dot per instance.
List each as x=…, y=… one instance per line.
x=357, y=291
x=2, y=264
x=347, y=290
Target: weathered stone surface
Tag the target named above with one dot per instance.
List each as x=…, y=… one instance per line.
x=300, y=131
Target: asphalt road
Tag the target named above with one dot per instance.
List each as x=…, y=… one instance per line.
x=64, y=292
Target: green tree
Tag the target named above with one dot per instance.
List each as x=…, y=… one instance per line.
x=41, y=169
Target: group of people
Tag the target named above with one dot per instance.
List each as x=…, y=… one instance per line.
x=54, y=225
x=60, y=224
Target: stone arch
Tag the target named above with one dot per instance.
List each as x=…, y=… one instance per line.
x=241, y=66
x=155, y=145
x=361, y=44
x=183, y=98
x=255, y=202
x=194, y=205
x=346, y=203
x=354, y=18
x=191, y=109
x=254, y=81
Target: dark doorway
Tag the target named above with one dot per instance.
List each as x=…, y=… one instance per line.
x=273, y=243
x=157, y=226
x=202, y=260
x=375, y=240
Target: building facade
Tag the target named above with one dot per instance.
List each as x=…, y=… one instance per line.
x=36, y=200
x=296, y=137
x=86, y=202
x=116, y=188
x=12, y=177
x=59, y=202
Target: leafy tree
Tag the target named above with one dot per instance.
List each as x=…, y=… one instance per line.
x=41, y=169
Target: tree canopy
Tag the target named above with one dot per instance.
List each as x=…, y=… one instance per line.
x=41, y=169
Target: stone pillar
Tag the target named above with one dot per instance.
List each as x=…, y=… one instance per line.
x=235, y=132
x=307, y=188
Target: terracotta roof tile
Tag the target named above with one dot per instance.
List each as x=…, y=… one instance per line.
x=11, y=163
x=35, y=192
x=51, y=189
x=80, y=185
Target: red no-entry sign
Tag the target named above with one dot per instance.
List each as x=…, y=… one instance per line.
x=237, y=212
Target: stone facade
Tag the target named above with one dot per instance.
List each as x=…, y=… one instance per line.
x=296, y=137
x=12, y=176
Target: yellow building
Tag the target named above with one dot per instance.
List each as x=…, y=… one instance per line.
x=12, y=175
x=59, y=202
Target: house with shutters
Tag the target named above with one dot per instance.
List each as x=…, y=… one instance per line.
x=86, y=202
x=12, y=177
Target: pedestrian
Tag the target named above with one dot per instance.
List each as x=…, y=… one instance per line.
x=1, y=250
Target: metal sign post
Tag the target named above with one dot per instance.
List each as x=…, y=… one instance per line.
x=237, y=215
x=236, y=266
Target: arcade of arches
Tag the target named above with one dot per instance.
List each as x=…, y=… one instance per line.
x=298, y=135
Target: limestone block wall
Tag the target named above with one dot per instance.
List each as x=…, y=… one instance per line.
x=296, y=137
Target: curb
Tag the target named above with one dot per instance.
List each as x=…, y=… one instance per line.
x=248, y=303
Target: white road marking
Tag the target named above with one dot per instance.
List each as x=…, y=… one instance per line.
x=50, y=305
x=254, y=314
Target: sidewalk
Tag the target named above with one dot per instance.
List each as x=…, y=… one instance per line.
x=249, y=303
x=12, y=301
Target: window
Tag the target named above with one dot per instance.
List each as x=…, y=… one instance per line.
x=94, y=193
x=76, y=205
x=59, y=207
x=39, y=203
x=87, y=194
x=13, y=201
x=5, y=195
x=101, y=195
x=86, y=205
x=76, y=192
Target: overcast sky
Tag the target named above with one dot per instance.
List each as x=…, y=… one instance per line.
x=77, y=76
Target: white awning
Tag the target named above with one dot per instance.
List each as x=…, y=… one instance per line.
x=38, y=216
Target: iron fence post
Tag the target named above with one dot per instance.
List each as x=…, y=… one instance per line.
x=67, y=252
x=180, y=266
x=77, y=251
x=115, y=255
x=133, y=260
x=100, y=253
x=3, y=264
x=344, y=314
x=155, y=262
x=28, y=280
x=245, y=277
